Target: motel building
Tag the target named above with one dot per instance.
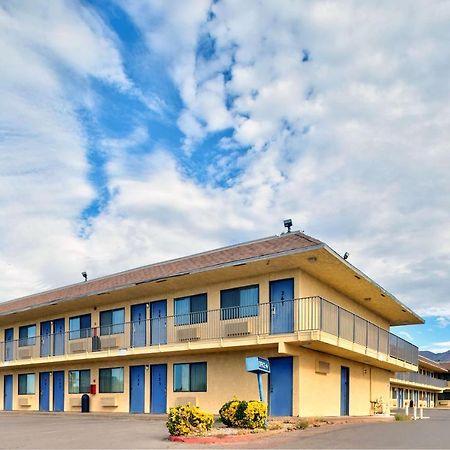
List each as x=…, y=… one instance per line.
x=421, y=389
x=179, y=331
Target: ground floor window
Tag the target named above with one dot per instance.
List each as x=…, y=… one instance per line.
x=79, y=381
x=27, y=384
x=111, y=380
x=189, y=377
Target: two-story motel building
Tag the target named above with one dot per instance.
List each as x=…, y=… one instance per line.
x=179, y=331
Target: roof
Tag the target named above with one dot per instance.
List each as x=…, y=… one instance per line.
x=252, y=250
x=433, y=365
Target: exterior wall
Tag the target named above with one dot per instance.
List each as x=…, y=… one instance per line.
x=314, y=394
x=408, y=395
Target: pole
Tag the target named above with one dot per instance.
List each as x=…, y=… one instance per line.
x=260, y=386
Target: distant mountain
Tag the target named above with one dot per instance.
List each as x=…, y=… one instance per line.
x=444, y=356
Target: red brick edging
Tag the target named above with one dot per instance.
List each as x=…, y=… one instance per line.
x=217, y=439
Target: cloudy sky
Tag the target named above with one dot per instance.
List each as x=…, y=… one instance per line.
x=136, y=131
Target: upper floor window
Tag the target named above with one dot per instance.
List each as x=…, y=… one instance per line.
x=27, y=335
x=79, y=381
x=80, y=326
x=27, y=383
x=239, y=302
x=111, y=380
x=189, y=377
x=192, y=309
x=112, y=321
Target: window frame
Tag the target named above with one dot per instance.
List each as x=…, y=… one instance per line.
x=79, y=371
x=80, y=333
x=112, y=328
x=102, y=391
x=191, y=365
x=238, y=311
x=27, y=384
x=192, y=317
x=27, y=341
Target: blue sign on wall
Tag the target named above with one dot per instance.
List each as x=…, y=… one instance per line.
x=256, y=364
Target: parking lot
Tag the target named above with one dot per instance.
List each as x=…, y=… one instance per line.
x=90, y=431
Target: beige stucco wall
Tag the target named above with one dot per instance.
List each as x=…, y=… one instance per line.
x=314, y=394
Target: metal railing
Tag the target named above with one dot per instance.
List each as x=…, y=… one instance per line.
x=263, y=319
x=421, y=379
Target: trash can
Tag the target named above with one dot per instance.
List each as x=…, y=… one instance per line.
x=85, y=403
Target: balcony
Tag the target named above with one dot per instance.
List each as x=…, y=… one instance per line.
x=419, y=378
x=311, y=322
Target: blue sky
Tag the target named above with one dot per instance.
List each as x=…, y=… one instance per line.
x=136, y=131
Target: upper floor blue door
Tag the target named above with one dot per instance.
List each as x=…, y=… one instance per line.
x=158, y=325
x=280, y=386
x=282, y=306
x=138, y=325
x=46, y=331
x=44, y=391
x=137, y=389
x=58, y=391
x=58, y=337
x=345, y=391
x=9, y=344
x=7, y=392
x=158, y=391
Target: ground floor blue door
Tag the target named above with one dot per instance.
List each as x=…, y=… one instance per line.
x=9, y=344
x=158, y=392
x=137, y=389
x=58, y=391
x=158, y=325
x=282, y=306
x=7, y=392
x=46, y=331
x=400, y=398
x=58, y=337
x=280, y=386
x=44, y=391
x=138, y=325
x=345, y=391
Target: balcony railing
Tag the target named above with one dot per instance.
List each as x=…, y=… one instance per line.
x=421, y=379
x=263, y=319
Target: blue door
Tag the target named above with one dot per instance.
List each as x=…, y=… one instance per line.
x=46, y=331
x=280, y=386
x=345, y=391
x=58, y=337
x=137, y=389
x=138, y=325
x=9, y=344
x=158, y=393
x=7, y=392
x=158, y=315
x=58, y=391
x=282, y=306
x=400, y=398
x=44, y=391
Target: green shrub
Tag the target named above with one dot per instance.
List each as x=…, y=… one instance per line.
x=186, y=420
x=242, y=414
x=401, y=417
x=302, y=424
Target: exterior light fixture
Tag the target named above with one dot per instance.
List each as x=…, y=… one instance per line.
x=346, y=255
x=84, y=274
x=288, y=224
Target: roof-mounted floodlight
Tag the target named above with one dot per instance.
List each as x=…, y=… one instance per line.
x=288, y=224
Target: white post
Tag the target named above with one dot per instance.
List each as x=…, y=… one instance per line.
x=406, y=410
x=421, y=413
x=415, y=412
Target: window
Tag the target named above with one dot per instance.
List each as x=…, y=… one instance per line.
x=27, y=384
x=111, y=380
x=27, y=335
x=79, y=381
x=189, y=377
x=80, y=326
x=191, y=309
x=112, y=321
x=239, y=302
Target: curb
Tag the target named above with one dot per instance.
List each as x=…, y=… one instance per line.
x=218, y=439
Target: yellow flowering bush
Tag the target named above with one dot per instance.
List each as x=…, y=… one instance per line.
x=242, y=414
x=186, y=420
